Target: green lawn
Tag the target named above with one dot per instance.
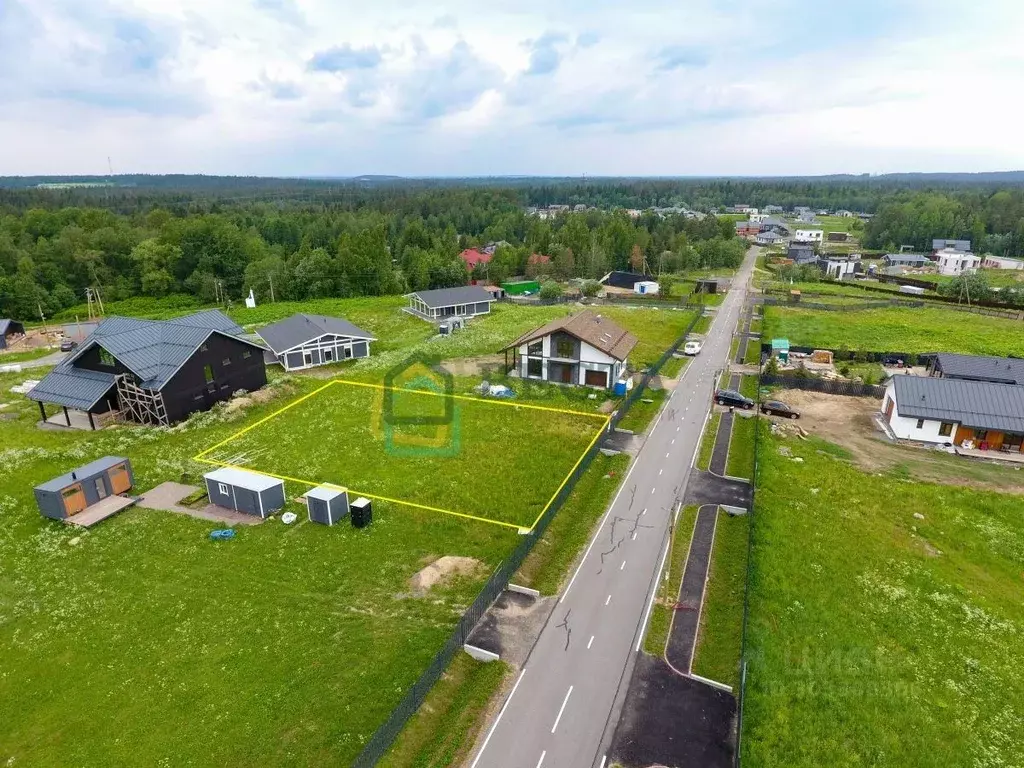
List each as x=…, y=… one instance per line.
x=642, y=412
x=707, y=442
x=876, y=638
x=673, y=367
x=741, y=447
x=719, y=643
x=6, y=358
x=661, y=613
x=928, y=329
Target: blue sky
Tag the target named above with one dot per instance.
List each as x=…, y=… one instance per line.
x=649, y=87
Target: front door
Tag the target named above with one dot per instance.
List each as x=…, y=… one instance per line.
x=328, y=355
x=566, y=374
x=101, y=488
x=74, y=500
x=596, y=379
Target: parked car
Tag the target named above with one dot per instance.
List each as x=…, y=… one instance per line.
x=776, y=408
x=733, y=398
x=692, y=348
x=67, y=345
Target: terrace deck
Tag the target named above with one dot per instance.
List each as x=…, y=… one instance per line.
x=100, y=511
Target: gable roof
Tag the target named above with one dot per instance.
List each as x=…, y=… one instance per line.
x=72, y=387
x=472, y=257
x=1003, y=370
x=976, y=404
x=10, y=326
x=449, y=297
x=599, y=332
x=300, y=328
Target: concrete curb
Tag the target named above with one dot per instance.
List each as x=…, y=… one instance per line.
x=479, y=653
x=528, y=591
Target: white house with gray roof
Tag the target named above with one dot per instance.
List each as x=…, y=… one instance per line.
x=306, y=341
x=440, y=304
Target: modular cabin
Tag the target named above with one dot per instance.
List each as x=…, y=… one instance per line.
x=243, y=491
x=73, y=494
x=306, y=341
x=465, y=301
x=326, y=505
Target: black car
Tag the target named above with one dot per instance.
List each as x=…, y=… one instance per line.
x=67, y=345
x=733, y=398
x=775, y=408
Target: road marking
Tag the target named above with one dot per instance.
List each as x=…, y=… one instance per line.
x=673, y=441
x=660, y=471
x=604, y=759
x=644, y=512
x=677, y=429
x=498, y=719
x=541, y=761
x=560, y=711
x=666, y=455
x=650, y=604
x=623, y=565
x=590, y=643
x=652, y=489
x=634, y=536
x=608, y=600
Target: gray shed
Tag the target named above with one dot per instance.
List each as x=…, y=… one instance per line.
x=67, y=495
x=326, y=505
x=248, y=492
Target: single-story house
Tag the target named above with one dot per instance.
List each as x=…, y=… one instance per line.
x=837, y=269
x=954, y=263
x=68, y=495
x=808, y=235
x=154, y=371
x=582, y=349
x=8, y=330
x=305, y=341
x=915, y=260
x=998, y=370
x=768, y=238
x=778, y=226
x=943, y=410
x=1001, y=262
x=747, y=228
x=939, y=244
x=244, y=491
x=801, y=254
x=625, y=280
x=471, y=257
x=463, y=301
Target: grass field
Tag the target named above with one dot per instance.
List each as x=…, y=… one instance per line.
x=661, y=613
x=741, y=447
x=475, y=464
x=921, y=330
x=6, y=358
x=707, y=441
x=876, y=638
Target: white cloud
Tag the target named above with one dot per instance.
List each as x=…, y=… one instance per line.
x=321, y=87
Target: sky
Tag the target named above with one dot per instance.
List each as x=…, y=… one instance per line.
x=510, y=87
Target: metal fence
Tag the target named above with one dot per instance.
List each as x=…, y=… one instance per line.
x=382, y=739
x=773, y=301
x=829, y=386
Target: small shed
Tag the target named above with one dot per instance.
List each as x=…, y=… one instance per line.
x=521, y=287
x=707, y=285
x=780, y=349
x=244, y=491
x=646, y=287
x=68, y=495
x=326, y=505
x=9, y=329
x=362, y=512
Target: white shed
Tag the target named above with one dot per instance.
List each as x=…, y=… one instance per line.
x=646, y=287
x=326, y=505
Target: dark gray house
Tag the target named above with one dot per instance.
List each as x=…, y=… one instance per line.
x=326, y=505
x=305, y=341
x=915, y=260
x=154, y=372
x=939, y=243
x=9, y=329
x=248, y=492
x=70, y=494
x=626, y=280
x=998, y=370
x=802, y=254
x=464, y=301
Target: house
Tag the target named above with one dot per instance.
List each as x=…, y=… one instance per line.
x=154, y=371
x=747, y=228
x=988, y=262
x=463, y=301
x=582, y=349
x=536, y=262
x=772, y=209
x=646, y=288
x=954, y=263
x=801, y=254
x=306, y=341
x=9, y=330
x=808, y=235
x=768, y=238
x=939, y=244
x=471, y=257
x=842, y=212
x=837, y=237
x=778, y=226
x=757, y=218
x=837, y=268
x=96, y=487
x=943, y=410
x=244, y=491
x=626, y=280
x=998, y=370
x=914, y=260
x=496, y=292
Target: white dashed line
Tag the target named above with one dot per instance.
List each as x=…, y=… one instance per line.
x=660, y=471
x=560, y=711
x=590, y=642
x=644, y=512
x=673, y=441
x=652, y=489
x=608, y=600
x=634, y=536
x=667, y=455
x=621, y=567
x=541, y=761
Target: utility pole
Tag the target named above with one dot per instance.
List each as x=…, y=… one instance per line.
x=42, y=317
x=270, y=277
x=88, y=302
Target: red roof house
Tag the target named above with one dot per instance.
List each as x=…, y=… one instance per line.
x=472, y=257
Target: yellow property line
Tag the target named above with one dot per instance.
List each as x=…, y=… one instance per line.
x=200, y=457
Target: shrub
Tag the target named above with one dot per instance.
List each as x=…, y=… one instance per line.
x=590, y=288
x=550, y=290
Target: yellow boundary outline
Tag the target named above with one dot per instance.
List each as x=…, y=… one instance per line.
x=201, y=457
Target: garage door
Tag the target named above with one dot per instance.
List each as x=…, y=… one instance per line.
x=596, y=379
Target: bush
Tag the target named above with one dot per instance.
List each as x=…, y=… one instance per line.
x=590, y=288
x=550, y=290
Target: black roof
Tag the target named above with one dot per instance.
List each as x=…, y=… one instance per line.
x=450, y=297
x=976, y=404
x=618, y=279
x=10, y=326
x=300, y=328
x=1003, y=370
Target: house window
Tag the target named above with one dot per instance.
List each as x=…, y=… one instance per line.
x=920, y=423
x=535, y=368
x=106, y=358
x=565, y=348
x=223, y=489
x=247, y=354
x=226, y=361
x=980, y=435
x=204, y=348
x=536, y=348
x=946, y=429
x=208, y=373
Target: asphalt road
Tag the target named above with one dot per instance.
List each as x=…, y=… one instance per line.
x=563, y=707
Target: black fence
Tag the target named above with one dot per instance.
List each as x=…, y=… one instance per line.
x=829, y=386
x=860, y=355
x=382, y=739
x=775, y=301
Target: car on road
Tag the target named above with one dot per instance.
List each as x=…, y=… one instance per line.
x=777, y=408
x=692, y=348
x=67, y=345
x=733, y=398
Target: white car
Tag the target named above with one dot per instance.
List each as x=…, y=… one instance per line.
x=691, y=348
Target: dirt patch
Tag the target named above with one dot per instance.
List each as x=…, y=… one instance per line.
x=265, y=395
x=474, y=366
x=442, y=571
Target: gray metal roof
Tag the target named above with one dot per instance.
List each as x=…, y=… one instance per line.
x=938, y=243
x=1004, y=370
x=92, y=468
x=906, y=258
x=72, y=387
x=300, y=328
x=324, y=493
x=450, y=297
x=242, y=478
x=5, y=323
x=976, y=404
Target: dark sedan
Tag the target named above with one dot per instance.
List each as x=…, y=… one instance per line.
x=776, y=408
x=733, y=399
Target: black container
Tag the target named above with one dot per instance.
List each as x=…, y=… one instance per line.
x=361, y=512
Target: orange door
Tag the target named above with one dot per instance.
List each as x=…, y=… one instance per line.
x=120, y=481
x=74, y=500
x=889, y=404
x=963, y=433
